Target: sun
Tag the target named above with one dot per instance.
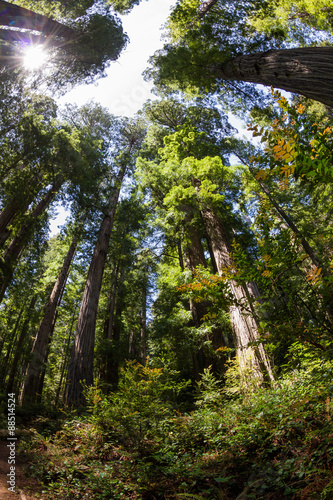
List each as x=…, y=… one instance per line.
x=34, y=57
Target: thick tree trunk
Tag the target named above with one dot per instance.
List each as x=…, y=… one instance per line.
x=81, y=364
x=40, y=347
x=18, y=17
x=17, y=245
x=305, y=70
x=243, y=322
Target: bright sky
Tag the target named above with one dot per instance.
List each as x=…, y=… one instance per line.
x=124, y=91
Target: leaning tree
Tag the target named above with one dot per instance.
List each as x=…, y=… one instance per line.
x=219, y=50
x=78, y=49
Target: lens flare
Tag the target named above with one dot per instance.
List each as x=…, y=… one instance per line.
x=34, y=57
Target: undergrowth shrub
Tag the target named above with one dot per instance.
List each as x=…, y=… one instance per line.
x=274, y=443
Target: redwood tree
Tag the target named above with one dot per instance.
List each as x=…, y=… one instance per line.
x=81, y=364
x=222, y=52
x=78, y=49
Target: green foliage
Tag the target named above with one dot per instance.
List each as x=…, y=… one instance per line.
x=123, y=6
x=272, y=443
x=93, y=38
x=295, y=146
x=290, y=19
x=142, y=402
x=57, y=9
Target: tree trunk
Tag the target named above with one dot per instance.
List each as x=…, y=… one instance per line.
x=143, y=325
x=108, y=323
x=282, y=215
x=16, y=246
x=5, y=361
x=194, y=257
x=40, y=347
x=15, y=206
x=18, y=349
x=15, y=16
x=81, y=364
x=305, y=70
x=65, y=358
x=112, y=361
x=243, y=323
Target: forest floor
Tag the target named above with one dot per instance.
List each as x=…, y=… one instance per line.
x=25, y=488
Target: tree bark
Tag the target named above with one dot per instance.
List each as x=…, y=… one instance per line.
x=305, y=244
x=16, y=246
x=16, y=206
x=143, y=325
x=65, y=359
x=18, y=349
x=40, y=346
x=113, y=356
x=15, y=16
x=241, y=313
x=5, y=360
x=194, y=257
x=305, y=70
x=81, y=364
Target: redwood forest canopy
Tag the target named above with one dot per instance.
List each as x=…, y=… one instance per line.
x=175, y=338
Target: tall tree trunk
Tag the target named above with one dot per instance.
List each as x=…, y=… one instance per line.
x=81, y=364
x=304, y=70
x=143, y=325
x=15, y=16
x=17, y=245
x=194, y=257
x=112, y=364
x=114, y=331
x=19, y=346
x=315, y=259
x=40, y=346
x=5, y=361
x=243, y=322
x=39, y=392
x=108, y=323
x=65, y=358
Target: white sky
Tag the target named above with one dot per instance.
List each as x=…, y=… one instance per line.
x=123, y=90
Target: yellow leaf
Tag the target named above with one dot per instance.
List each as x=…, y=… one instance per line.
x=313, y=276
x=283, y=184
x=262, y=174
x=300, y=109
x=266, y=273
